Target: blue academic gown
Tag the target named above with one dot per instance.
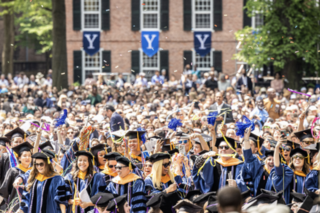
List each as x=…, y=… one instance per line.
x=151, y=190
x=213, y=176
x=45, y=196
x=92, y=188
x=69, y=156
x=135, y=191
x=281, y=178
x=312, y=181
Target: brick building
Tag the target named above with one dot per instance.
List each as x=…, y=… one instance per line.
x=121, y=22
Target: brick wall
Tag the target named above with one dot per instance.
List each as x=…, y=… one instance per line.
x=119, y=39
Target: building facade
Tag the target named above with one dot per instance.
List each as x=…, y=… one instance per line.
x=120, y=23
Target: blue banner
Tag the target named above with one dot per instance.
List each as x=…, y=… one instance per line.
x=91, y=42
x=202, y=43
x=150, y=42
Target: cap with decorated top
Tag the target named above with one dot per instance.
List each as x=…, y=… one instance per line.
x=231, y=142
x=16, y=133
x=302, y=135
x=101, y=199
x=117, y=203
x=26, y=146
x=46, y=145
x=159, y=156
x=125, y=161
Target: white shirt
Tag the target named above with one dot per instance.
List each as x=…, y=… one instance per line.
x=219, y=107
x=244, y=80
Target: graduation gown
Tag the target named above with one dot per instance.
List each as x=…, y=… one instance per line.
x=254, y=173
x=107, y=176
x=7, y=191
x=214, y=174
x=92, y=188
x=134, y=187
x=281, y=178
x=69, y=156
x=165, y=183
x=311, y=182
x=137, y=160
x=4, y=166
x=45, y=196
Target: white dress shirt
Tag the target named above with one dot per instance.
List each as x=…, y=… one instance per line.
x=219, y=107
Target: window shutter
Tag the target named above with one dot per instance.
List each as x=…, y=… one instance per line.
x=164, y=62
x=106, y=61
x=187, y=15
x=77, y=15
x=217, y=15
x=187, y=58
x=217, y=60
x=164, y=14
x=246, y=19
x=135, y=62
x=105, y=14
x=135, y=15
x=77, y=66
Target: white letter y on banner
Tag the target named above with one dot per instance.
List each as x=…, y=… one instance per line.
x=150, y=40
x=91, y=40
x=202, y=41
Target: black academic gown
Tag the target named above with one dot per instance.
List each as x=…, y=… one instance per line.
x=4, y=167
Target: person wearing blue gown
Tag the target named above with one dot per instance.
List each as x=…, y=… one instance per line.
x=134, y=143
x=288, y=178
x=312, y=179
x=98, y=152
x=256, y=146
x=83, y=177
x=69, y=156
x=6, y=189
x=128, y=183
x=109, y=171
x=211, y=173
x=45, y=190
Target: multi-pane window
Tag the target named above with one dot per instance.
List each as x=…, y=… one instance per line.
x=92, y=64
x=91, y=14
x=150, y=14
x=149, y=65
x=202, y=14
x=203, y=63
x=257, y=20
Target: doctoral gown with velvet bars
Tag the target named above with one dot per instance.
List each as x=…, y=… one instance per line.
x=280, y=178
x=253, y=173
x=92, y=188
x=69, y=156
x=213, y=176
x=135, y=191
x=45, y=196
x=312, y=178
x=7, y=191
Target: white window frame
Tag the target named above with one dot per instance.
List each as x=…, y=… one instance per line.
x=194, y=12
x=142, y=69
x=150, y=12
x=90, y=12
x=253, y=19
x=194, y=53
x=91, y=68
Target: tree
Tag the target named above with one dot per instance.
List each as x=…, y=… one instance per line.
x=288, y=38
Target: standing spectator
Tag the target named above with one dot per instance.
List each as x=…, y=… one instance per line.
x=206, y=77
x=32, y=80
x=29, y=108
x=195, y=71
x=116, y=121
x=277, y=83
x=50, y=73
x=39, y=101
x=94, y=97
x=272, y=105
x=141, y=80
x=48, y=81
x=187, y=69
x=40, y=79
x=120, y=81
x=18, y=79
x=259, y=113
x=157, y=79
x=164, y=75
x=211, y=83
x=25, y=79
x=89, y=80
x=221, y=108
x=173, y=82
x=4, y=81
x=244, y=81
x=223, y=84
x=46, y=100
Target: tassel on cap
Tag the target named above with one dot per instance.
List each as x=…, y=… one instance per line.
x=25, y=137
x=130, y=166
x=258, y=146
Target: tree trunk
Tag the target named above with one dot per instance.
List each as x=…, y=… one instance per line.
x=8, y=41
x=290, y=71
x=59, y=50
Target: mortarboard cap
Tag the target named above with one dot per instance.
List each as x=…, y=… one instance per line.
x=46, y=145
x=306, y=205
x=298, y=150
x=117, y=202
x=255, y=137
x=15, y=133
x=97, y=148
x=263, y=198
x=298, y=197
x=125, y=161
x=245, y=195
x=231, y=142
x=26, y=146
x=3, y=141
x=292, y=144
x=172, y=152
x=84, y=153
x=187, y=206
x=133, y=134
x=269, y=153
x=159, y=156
x=41, y=155
x=304, y=134
x=203, y=198
x=112, y=156
x=155, y=201
x=101, y=199
x=192, y=193
x=212, y=206
x=207, y=138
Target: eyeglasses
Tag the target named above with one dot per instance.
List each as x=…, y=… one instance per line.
x=224, y=147
x=39, y=164
x=148, y=165
x=111, y=166
x=165, y=165
x=70, y=132
x=119, y=167
x=183, y=141
x=287, y=149
x=298, y=157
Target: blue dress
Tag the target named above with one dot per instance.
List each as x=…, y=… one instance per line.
x=92, y=188
x=134, y=187
x=45, y=196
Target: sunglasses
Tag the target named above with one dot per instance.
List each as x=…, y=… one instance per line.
x=183, y=141
x=287, y=149
x=70, y=132
x=165, y=165
x=307, y=142
x=119, y=167
x=224, y=147
x=298, y=157
x=39, y=164
x=148, y=165
x=111, y=166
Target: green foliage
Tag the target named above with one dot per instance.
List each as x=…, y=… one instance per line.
x=34, y=23
x=290, y=32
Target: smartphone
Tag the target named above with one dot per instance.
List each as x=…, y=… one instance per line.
x=283, y=133
x=196, y=105
x=182, y=149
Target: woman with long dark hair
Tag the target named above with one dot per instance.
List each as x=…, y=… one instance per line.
x=98, y=152
x=6, y=190
x=45, y=190
x=83, y=177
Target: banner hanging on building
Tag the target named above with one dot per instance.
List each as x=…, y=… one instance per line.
x=91, y=42
x=202, y=43
x=150, y=42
